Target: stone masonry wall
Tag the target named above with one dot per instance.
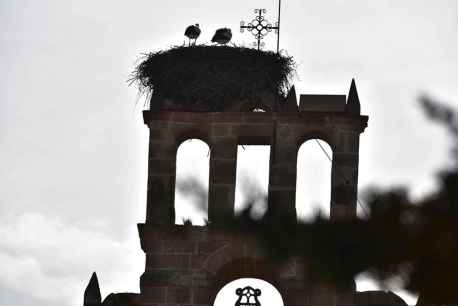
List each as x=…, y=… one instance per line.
x=284, y=132
x=188, y=265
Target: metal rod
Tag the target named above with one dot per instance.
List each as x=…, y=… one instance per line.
x=278, y=36
x=259, y=37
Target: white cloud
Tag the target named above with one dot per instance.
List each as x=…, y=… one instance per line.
x=46, y=259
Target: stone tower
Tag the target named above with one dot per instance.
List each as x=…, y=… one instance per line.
x=187, y=265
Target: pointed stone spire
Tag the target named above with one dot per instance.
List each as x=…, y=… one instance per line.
x=291, y=101
x=92, y=293
x=353, y=105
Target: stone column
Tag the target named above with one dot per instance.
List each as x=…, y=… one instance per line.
x=282, y=176
x=161, y=178
x=223, y=164
x=344, y=181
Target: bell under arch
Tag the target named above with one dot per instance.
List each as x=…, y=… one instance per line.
x=248, y=292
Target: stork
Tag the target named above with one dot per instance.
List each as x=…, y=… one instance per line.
x=222, y=36
x=192, y=32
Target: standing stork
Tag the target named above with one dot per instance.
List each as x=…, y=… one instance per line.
x=192, y=32
x=222, y=36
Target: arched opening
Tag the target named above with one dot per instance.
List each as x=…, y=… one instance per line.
x=191, y=183
x=252, y=179
x=248, y=292
x=313, y=184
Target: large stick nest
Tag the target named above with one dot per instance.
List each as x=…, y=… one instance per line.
x=209, y=77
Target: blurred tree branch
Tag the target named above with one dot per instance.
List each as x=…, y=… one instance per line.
x=415, y=240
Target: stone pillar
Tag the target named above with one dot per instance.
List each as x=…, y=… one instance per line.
x=282, y=176
x=223, y=164
x=161, y=178
x=344, y=176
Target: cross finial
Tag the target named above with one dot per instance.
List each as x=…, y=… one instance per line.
x=260, y=27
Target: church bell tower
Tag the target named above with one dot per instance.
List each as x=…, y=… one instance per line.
x=189, y=264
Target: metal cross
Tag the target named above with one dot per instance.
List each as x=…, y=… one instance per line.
x=260, y=27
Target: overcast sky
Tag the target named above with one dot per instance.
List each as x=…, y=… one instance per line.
x=74, y=148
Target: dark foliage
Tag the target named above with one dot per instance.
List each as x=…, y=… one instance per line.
x=208, y=76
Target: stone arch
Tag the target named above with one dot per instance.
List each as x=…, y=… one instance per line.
x=192, y=181
x=326, y=136
x=221, y=257
x=191, y=133
x=314, y=178
x=233, y=261
x=245, y=267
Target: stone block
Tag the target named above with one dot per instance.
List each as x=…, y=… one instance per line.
x=221, y=201
x=253, y=250
x=259, y=117
x=217, y=260
x=167, y=261
x=229, y=117
x=202, y=279
x=283, y=197
x=286, y=270
x=282, y=205
x=153, y=294
x=283, y=175
x=295, y=297
x=352, y=142
x=346, y=159
x=153, y=246
x=203, y=296
x=179, y=247
x=178, y=295
x=322, y=103
x=207, y=247
x=161, y=144
x=221, y=235
x=162, y=166
x=254, y=134
x=191, y=117
x=221, y=130
x=223, y=171
x=223, y=148
x=342, y=212
x=161, y=278
x=197, y=261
